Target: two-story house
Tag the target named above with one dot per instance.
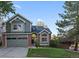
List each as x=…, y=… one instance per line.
x=19, y=33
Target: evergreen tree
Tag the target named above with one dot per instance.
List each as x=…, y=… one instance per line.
x=69, y=26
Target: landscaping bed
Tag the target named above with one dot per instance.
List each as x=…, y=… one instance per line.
x=51, y=53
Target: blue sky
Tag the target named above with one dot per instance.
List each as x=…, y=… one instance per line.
x=44, y=10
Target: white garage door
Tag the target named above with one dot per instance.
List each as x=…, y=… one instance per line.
x=17, y=40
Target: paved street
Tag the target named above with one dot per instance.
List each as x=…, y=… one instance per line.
x=13, y=52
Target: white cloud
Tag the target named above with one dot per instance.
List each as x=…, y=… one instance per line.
x=39, y=19
x=40, y=22
x=17, y=6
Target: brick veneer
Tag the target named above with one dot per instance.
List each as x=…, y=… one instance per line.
x=4, y=40
x=29, y=40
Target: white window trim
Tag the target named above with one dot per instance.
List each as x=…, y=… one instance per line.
x=41, y=43
x=12, y=30
x=44, y=30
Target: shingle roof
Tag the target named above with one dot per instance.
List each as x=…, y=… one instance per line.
x=38, y=29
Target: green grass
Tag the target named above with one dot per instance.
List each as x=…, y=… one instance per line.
x=51, y=53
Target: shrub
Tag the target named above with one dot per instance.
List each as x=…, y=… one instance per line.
x=37, y=43
x=54, y=43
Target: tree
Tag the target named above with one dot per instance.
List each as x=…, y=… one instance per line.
x=34, y=36
x=6, y=7
x=69, y=26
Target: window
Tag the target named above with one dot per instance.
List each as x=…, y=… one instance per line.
x=15, y=27
x=44, y=34
x=44, y=39
x=18, y=27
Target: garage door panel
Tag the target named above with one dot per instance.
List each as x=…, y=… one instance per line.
x=21, y=42
x=11, y=43
x=18, y=40
x=17, y=43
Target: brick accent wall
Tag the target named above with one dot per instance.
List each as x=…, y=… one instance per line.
x=4, y=40
x=29, y=40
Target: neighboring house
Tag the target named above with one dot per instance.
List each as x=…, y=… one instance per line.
x=43, y=34
x=19, y=33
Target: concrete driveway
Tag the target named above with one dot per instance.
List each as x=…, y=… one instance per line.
x=13, y=52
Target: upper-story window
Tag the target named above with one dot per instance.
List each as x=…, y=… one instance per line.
x=18, y=27
x=15, y=27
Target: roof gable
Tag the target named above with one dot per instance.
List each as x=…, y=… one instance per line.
x=18, y=16
x=39, y=29
x=44, y=30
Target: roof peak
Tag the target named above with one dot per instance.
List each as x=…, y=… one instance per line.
x=15, y=15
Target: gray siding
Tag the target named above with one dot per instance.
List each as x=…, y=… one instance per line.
x=27, y=24
x=8, y=27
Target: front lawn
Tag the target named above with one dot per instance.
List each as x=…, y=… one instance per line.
x=51, y=53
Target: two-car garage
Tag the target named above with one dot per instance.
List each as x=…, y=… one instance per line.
x=17, y=40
